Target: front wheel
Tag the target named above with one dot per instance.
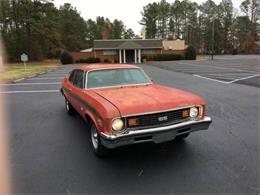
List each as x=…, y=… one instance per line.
x=70, y=110
x=97, y=147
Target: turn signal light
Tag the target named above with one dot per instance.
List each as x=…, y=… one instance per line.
x=132, y=122
x=185, y=113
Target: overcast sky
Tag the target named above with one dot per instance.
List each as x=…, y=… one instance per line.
x=128, y=11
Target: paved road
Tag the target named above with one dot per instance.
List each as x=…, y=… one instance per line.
x=50, y=151
x=243, y=69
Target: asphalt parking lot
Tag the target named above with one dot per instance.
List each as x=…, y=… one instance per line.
x=243, y=69
x=50, y=151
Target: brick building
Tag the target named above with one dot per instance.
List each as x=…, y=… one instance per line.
x=129, y=50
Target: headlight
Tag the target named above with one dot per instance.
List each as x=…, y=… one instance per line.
x=194, y=112
x=118, y=124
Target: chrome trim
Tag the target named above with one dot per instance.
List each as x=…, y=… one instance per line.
x=119, y=86
x=201, y=111
x=100, y=69
x=156, y=130
x=86, y=80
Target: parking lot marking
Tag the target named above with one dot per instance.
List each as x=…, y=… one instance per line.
x=227, y=82
x=218, y=68
x=20, y=84
x=244, y=78
x=224, y=82
x=39, y=91
x=45, y=78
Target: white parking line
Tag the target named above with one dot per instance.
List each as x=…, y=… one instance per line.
x=39, y=91
x=45, y=78
x=20, y=84
x=214, y=67
x=227, y=82
x=249, y=77
x=224, y=82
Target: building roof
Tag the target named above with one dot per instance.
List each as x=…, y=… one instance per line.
x=105, y=66
x=87, y=50
x=127, y=44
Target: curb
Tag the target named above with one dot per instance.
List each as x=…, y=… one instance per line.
x=34, y=75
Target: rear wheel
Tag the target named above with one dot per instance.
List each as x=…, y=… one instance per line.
x=97, y=147
x=70, y=110
x=182, y=136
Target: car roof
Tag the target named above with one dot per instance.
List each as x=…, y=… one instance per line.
x=105, y=66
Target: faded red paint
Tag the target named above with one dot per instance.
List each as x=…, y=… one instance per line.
x=109, y=103
x=148, y=98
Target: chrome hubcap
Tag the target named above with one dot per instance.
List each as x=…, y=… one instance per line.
x=67, y=106
x=94, y=137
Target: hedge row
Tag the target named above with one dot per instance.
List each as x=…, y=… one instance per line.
x=163, y=57
x=88, y=60
x=189, y=54
x=168, y=57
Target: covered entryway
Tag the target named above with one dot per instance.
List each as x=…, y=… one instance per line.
x=130, y=56
x=129, y=52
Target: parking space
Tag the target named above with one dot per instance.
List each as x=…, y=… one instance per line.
x=51, y=154
x=223, y=69
x=42, y=83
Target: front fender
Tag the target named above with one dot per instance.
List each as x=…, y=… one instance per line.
x=90, y=116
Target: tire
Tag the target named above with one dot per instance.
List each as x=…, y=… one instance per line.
x=182, y=136
x=70, y=110
x=96, y=144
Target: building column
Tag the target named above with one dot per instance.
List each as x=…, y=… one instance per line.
x=139, y=56
x=135, y=56
x=124, y=57
x=120, y=56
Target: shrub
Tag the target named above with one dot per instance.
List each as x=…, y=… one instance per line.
x=106, y=61
x=190, y=53
x=234, y=52
x=88, y=60
x=66, y=58
x=50, y=55
x=167, y=57
x=144, y=59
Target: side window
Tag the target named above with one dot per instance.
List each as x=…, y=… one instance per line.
x=71, y=76
x=78, y=79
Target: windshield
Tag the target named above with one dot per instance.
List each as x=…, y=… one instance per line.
x=115, y=77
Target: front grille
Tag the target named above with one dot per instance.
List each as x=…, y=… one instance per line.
x=158, y=119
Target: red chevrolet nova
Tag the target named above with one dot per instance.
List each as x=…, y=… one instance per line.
x=123, y=106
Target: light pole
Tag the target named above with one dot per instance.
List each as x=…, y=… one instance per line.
x=212, y=38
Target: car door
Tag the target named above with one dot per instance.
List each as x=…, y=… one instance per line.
x=69, y=86
x=77, y=87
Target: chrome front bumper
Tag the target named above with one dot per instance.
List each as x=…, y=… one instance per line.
x=156, y=135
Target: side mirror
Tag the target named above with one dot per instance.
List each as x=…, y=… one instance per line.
x=151, y=79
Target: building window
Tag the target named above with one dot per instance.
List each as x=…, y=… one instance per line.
x=109, y=52
x=148, y=51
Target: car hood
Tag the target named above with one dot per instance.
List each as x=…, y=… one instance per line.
x=147, y=98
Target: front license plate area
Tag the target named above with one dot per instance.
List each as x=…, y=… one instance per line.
x=164, y=137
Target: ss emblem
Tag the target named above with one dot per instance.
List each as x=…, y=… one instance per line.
x=163, y=118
